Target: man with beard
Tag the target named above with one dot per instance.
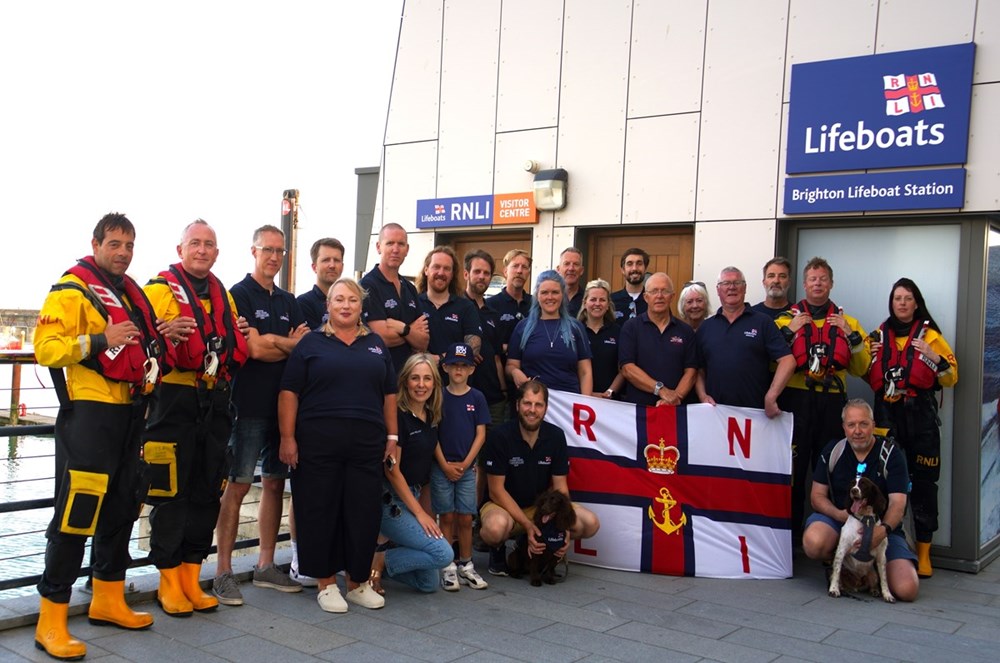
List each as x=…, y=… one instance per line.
x=629, y=301
x=838, y=467
x=328, y=263
x=524, y=458
x=488, y=377
x=451, y=318
x=512, y=303
x=777, y=281
x=391, y=309
x=571, y=269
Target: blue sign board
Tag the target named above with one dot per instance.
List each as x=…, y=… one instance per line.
x=942, y=188
x=455, y=212
x=909, y=108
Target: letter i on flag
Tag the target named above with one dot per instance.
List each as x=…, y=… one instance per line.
x=695, y=490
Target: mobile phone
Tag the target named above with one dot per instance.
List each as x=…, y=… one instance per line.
x=390, y=462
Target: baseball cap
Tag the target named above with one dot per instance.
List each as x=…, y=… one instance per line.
x=459, y=353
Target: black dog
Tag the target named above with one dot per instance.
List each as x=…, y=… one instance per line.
x=554, y=517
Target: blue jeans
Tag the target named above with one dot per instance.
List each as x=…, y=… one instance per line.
x=418, y=557
x=449, y=496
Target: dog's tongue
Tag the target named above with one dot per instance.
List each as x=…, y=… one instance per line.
x=856, y=506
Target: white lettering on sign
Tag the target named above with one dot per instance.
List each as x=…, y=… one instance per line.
x=834, y=138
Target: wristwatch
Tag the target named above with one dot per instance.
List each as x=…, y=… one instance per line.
x=888, y=529
x=657, y=387
x=406, y=329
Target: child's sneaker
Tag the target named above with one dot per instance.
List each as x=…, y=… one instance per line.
x=449, y=578
x=498, y=561
x=468, y=575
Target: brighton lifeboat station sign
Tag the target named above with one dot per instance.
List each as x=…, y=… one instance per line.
x=486, y=210
x=895, y=110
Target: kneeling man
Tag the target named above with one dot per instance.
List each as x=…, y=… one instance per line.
x=861, y=455
x=524, y=458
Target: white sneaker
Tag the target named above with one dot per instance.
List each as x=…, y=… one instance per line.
x=449, y=578
x=366, y=597
x=305, y=581
x=467, y=574
x=330, y=599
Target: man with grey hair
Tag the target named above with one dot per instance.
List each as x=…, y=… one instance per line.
x=736, y=347
x=571, y=269
x=777, y=282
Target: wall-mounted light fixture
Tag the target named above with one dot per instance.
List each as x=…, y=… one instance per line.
x=550, y=189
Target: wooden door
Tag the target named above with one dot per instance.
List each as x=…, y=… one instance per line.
x=497, y=244
x=670, y=250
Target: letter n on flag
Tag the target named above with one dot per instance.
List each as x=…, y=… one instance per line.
x=696, y=490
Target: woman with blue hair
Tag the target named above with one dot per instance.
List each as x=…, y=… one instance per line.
x=549, y=344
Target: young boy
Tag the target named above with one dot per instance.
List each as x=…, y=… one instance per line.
x=461, y=434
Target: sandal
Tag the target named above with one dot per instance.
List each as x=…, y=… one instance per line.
x=378, y=565
x=375, y=582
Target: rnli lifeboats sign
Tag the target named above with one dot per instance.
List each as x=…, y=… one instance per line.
x=696, y=490
x=485, y=210
x=893, y=110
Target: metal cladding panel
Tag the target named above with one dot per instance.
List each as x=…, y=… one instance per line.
x=514, y=150
x=407, y=176
x=987, y=32
x=593, y=95
x=982, y=183
x=744, y=244
x=741, y=110
x=820, y=31
x=468, y=98
x=530, y=37
x=661, y=157
x=911, y=24
x=668, y=49
x=416, y=82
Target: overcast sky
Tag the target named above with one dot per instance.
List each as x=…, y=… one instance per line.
x=172, y=111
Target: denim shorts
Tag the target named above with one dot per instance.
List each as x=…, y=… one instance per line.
x=453, y=496
x=254, y=439
x=897, y=548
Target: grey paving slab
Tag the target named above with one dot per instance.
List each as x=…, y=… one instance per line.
x=664, y=584
x=960, y=646
x=667, y=618
x=418, y=644
x=554, y=610
x=291, y=633
x=483, y=613
x=301, y=606
x=887, y=647
x=513, y=645
x=784, y=625
x=365, y=652
x=786, y=645
x=574, y=592
x=251, y=649
x=9, y=655
x=152, y=647
x=990, y=633
x=22, y=643
x=611, y=647
x=607, y=588
x=197, y=630
x=716, y=650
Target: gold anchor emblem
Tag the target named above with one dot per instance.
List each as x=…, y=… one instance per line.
x=668, y=502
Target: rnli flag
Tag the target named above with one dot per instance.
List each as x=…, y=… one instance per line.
x=696, y=490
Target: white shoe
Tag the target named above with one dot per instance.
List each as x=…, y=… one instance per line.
x=468, y=575
x=366, y=597
x=305, y=581
x=330, y=599
x=449, y=578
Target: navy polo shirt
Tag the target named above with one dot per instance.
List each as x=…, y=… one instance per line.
x=336, y=380
x=459, y=417
x=736, y=356
x=511, y=312
x=417, y=441
x=384, y=303
x=547, y=356
x=527, y=470
x=255, y=386
x=450, y=323
x=842, y=477
x=313, y=305
x=485, y=377
x=623, y=301
x=663, y=356
x=773, y=313
x=604, y=346
x=574, y=303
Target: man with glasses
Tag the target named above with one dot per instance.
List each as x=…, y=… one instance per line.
x=656, y=352
x=736, y=347
x=777, y=281
x=276, y=326
x=629, y=301
x=862, y=454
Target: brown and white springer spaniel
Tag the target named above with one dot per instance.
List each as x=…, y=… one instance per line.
x=868, y=505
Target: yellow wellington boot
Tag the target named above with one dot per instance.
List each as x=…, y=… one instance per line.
x=108, y=607
x=201, y=601
x=52, y=636
x=924, y=569
x=170, y=594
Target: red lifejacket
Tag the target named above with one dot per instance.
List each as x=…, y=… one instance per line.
x=216, y=332
x=907, y=370
x=821, y=351
x=125, y=363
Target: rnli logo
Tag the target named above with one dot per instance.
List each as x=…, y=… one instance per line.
x=545, y=461
x=375, y=350
x=391, y=303
x=284, y=317
x=611, y=341
x=750, y=333
x=676, y=339
x=451, y=318
x=438, y=209
x=490, y=323
x=412, y=304
x=911, y=94
x=261, y=315
x=507, y=317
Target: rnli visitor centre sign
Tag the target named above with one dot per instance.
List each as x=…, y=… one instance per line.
x=486, y=210
x=893, y=110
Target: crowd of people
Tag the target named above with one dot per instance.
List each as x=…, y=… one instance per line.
x=410, y=416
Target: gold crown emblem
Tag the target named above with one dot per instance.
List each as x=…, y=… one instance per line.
x=661, y=459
